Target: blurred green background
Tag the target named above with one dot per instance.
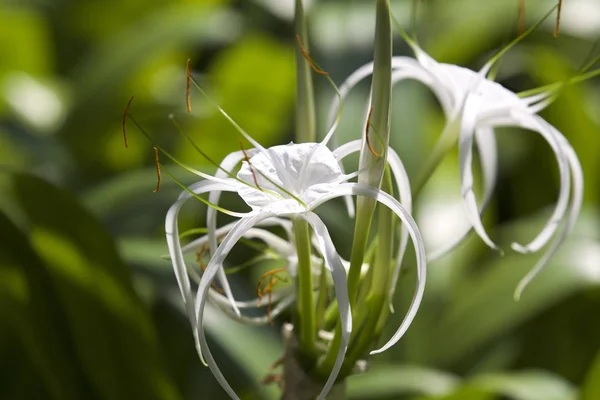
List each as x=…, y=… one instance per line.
x=89, y=309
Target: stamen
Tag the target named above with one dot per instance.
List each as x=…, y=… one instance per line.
x=247, y=159
x=558, y=12
x=157, y=163
x=188, y=75
x=125, y=114
x=308, y=59
x=261, y=293
x=521, y=17
x=367, y=134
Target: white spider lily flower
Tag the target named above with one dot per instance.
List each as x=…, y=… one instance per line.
x=288, y=181
x=474, y=106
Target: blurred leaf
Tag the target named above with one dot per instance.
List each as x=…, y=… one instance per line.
x=530, y=385
x=131, y=188
x=29, y=50
x=122, y=56
x=29, y=306
x=254, y=349
x=525, y=386
x=24, y=45
x=110, y=330
x=100, y=79
x=392, y=381
x=487, y=297
x=591, y=387
x=254, y=84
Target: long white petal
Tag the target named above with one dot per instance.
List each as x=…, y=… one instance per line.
x=467, y=133
x=227, y=165
x=172, y=235
x=334, y=264
x=405, y=194
x=279, y=308
x=574, y=209
x=488, y=156
x=387, y=200
x=402, y=182
x=404, y=68
x=553, y=137
x=212, y=268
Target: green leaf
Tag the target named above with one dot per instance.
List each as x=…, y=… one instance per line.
x=29, y=308
x=530, y=385
x=591, y=387
x=254, y=83
x=253, y=350
x=109, y=328
x=391, y=381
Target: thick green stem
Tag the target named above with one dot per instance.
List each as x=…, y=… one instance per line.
x=305, y=321
x=373, y=153
x=305, y=103
x=380, y=283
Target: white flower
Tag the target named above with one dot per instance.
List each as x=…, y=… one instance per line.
x=474, y=106
x=288, y=181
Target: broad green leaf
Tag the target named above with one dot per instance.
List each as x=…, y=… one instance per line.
x=109, y=328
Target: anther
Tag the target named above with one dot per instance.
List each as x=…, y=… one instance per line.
x=125, y=114
x=157, y=163
x=308, y=59
x=188, y=74
x=367, y=134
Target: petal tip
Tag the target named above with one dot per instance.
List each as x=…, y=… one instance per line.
x=519, y=248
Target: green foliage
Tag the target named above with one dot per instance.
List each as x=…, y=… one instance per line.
x=83, y=326
x=90, y=309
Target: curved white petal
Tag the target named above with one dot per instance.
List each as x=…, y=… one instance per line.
x=274, y=242
x=402, y=182
x=227, y=165
x=172, y=235
x=553, y=137
x=334, y=264
x=279, y=308
x=488, y=156
x=387, y=200
x=216, y=262
x=404, y=68
x=574, y=209
x=466, y=137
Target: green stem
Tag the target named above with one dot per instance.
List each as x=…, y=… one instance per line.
x=306, y=131
x=323, y=298
x=379, y=133
x=305, y=321
x=380, y=283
